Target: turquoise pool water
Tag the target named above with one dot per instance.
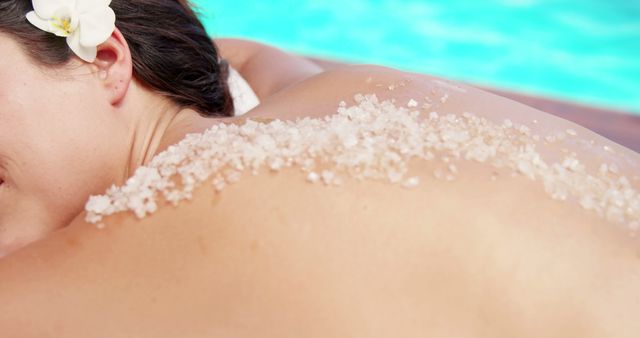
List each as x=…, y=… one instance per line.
x=580, y=50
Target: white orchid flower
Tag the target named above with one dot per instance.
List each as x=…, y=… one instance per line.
x=85, y=23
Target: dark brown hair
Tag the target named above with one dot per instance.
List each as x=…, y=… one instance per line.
x=171, y=51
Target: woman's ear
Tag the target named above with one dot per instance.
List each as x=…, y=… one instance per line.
x=114, y=66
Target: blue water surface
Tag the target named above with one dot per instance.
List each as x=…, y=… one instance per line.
x=586, y=51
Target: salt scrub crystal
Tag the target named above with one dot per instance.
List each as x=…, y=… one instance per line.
x=613, y=168
x=372, y=140
x=313, y=177
x=327, y=177
x=412, y=182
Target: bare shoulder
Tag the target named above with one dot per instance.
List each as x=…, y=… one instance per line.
x=320, y=95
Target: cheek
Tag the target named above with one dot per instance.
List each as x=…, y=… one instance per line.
x=72, y=161
x=59, y=155
x=47, y=192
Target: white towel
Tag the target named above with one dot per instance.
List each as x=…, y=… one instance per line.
x=244, y=98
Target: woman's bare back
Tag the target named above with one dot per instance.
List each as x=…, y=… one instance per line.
x=273, y=255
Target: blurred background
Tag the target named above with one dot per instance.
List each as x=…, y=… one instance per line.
x=584, y=51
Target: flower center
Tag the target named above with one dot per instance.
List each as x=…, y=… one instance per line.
x=63, y=26
x=64, y=22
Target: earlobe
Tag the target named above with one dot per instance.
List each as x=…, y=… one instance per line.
x=114, y=67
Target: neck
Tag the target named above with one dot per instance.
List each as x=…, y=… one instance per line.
x=163, y=124
x=147, y=133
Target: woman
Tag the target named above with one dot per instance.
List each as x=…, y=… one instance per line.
x=458, y=255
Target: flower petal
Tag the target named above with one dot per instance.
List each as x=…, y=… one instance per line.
x=35, y=20
x=47, y=8
x=97, y=26
x=84, y=6
x=86, y=53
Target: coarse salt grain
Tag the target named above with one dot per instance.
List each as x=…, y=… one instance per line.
x=313, y=177
x=412, y=182
x=371, y=140
x=412, y=103
x=604, y=169
x=327, y=176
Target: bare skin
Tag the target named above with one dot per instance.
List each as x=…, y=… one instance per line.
x=469, y=258
x=266, y=68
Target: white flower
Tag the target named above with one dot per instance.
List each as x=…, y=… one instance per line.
x=85, y=23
